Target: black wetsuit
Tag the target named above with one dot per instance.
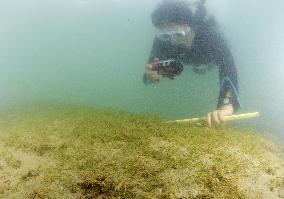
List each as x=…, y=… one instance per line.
x=208, y=48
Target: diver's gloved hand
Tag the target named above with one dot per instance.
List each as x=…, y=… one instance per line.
x=218, y=116
x=151, y=74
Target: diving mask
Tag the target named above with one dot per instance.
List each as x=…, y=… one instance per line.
x=174, y=37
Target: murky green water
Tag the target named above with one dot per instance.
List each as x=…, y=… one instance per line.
x=94, y=52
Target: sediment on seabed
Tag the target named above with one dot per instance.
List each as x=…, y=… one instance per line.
x=56, y=151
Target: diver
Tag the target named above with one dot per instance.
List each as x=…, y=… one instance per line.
x=190, y=36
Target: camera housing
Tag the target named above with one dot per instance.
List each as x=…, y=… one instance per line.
x=169, y=68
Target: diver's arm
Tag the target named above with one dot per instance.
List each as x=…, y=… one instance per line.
x=228, y=86
x=158, y=52
x=224, y=109
x=150, y=75
x=228, y=101
x=228, y=78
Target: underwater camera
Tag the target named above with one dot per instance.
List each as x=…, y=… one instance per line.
x=168, y=68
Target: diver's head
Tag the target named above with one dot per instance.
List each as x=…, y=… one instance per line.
x=173, y=19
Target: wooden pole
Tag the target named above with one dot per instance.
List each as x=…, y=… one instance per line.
x=227, y=118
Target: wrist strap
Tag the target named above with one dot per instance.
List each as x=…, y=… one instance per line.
x=227, y=101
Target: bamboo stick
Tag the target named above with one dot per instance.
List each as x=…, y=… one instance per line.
x=227, y=118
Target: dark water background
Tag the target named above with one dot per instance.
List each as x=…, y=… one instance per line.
x=94, y=51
